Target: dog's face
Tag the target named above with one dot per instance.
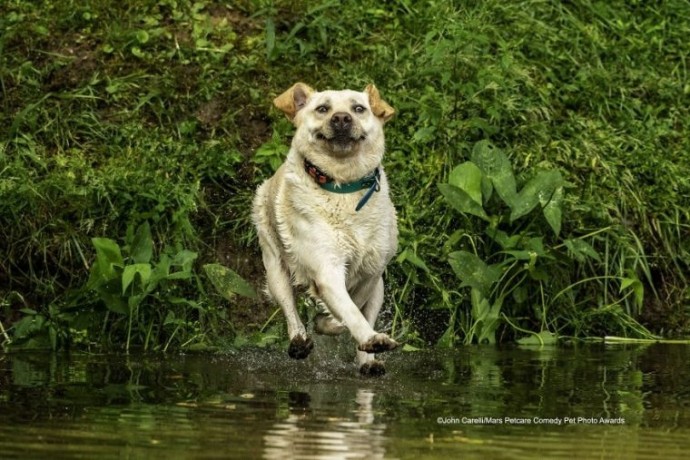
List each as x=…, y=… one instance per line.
x=339, y=123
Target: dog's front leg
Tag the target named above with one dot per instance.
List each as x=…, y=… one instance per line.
x=370, y=297
x=278, y=280
x=330, y=287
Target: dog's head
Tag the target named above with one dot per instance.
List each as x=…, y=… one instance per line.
x=341, y=123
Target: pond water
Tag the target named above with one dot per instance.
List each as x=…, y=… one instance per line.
x=591, y=401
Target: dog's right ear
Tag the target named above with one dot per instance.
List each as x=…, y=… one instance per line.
x=294, y=99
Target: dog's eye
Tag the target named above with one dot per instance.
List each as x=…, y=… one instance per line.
x=359, y=108
x=322, y=109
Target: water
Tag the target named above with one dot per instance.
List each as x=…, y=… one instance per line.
x=478, y=402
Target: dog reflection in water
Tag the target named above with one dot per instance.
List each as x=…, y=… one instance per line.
x=304, y=434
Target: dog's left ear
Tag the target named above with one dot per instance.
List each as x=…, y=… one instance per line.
x=294, y=99
x=379, y=107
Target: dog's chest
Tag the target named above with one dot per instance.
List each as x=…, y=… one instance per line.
x=355, y=232
x=364, y=240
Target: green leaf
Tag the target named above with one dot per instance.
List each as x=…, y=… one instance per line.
x=480, y=305
x=134, y=301
x=472, y=271
x=424, y=134
x=160, y=271
x=486, y=317
x=519, y=254
x=634, y=283
x=144, y=271
x=539, y=274
x=540, y=339
x=179, y=275
x=453, y=239
x=142, y=36
x=410, y=348
x=185, y=259
x=169, y=318
x=107, y=251
x=580, y=249
x=546, y=188
x=408, y=254
x=113, y=302
x=503, y=239
x=540, y=189
x=227, y=282
x=536, y=245
x=468, y=177
x=447, y=340
x=137, y=52
x=461, y=201
x=28, y=325
x=531, y=249
x=263, y=339
x=141, y=249
x=627, y=282
x=108, y=258
x=553, y=210
x=496, y=166
x=525, y=201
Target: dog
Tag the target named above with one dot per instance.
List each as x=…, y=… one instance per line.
x=325, y=220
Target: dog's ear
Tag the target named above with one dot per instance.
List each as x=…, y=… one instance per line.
x=379, y=107
x=294, y=99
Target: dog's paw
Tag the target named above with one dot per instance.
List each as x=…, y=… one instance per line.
x=373, y=368
x=325, y=324
x=300, y=347
x=378, y=344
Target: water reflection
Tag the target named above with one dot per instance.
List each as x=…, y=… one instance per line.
x=261, y=404
x=354, y=435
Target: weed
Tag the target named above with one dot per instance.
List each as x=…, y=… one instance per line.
x=116, y=114
x=516, y=261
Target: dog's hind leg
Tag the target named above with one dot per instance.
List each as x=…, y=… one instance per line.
x=326, y=324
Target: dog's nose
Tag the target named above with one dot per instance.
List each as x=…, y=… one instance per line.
x=341, y=121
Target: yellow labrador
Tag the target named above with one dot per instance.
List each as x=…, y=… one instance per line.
x=325, y=220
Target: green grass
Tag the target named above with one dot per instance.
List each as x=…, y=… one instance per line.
x=120, y=113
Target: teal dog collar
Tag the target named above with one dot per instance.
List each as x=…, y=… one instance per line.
x=370, y=181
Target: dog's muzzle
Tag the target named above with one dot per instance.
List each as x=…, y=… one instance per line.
x=340, y=131
x=341, y=127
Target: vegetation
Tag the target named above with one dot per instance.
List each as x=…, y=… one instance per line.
x=135, y=132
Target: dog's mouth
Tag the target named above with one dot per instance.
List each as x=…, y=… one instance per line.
x=340, y=138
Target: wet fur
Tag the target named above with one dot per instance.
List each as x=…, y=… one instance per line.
x=314, y=238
